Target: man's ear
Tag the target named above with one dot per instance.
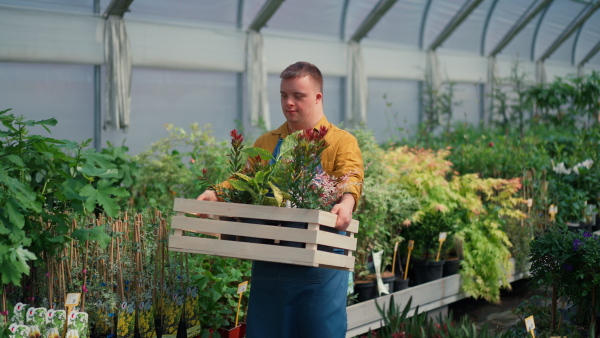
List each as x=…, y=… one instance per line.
x=319, y=97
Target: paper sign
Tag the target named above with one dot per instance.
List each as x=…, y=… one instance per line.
x=242, y=287
x=442, y=237
x=411, y=244
x=73, y=299
x=529, y=324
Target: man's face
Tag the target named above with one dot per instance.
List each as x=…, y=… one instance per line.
x=300, y=98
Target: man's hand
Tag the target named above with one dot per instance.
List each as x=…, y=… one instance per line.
x=344, y=212
x=207, y=195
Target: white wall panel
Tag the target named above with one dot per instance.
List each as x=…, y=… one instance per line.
x=555, y=69
x=328, y=54
x=387, y=63
x=43, y=91
x=185, y=47
x=505, y=64
x=160, y=97
x=461, y=67
x=467, y=97
x=35, y=36
x=397, y=115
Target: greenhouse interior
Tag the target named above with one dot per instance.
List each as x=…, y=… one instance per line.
x=462, y=137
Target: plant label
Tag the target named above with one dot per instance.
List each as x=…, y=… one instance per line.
x=73, y=299
x=529, y=324
x=529, y=202
x=242, y=287
x=442, y=236
x=411, y=244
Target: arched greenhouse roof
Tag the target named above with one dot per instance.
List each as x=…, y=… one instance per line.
x=218, y=62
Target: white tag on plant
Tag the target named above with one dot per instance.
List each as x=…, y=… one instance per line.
x=442, y=236
x=242, y=287
x=383, y=288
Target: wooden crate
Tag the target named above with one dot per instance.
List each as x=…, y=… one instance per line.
x=220, y=223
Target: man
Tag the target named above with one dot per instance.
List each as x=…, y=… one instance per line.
x=291, y=300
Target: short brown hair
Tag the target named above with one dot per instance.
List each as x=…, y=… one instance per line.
x=300, y=69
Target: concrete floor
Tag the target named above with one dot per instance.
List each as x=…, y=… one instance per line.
x=497, y=316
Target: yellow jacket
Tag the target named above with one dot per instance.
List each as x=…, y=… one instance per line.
x=341, y=157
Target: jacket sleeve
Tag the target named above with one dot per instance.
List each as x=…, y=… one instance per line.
x=348, y=161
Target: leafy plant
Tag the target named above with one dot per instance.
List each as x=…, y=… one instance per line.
x=568, y=262
x=170, y=166
x=382, y=208
x=398, y=324
x=39, y=181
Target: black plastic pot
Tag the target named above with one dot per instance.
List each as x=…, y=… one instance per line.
x=427, y=271
x=390, y=283
x=365, y=290
x=400, y=284
x=451, y=267
x=254, y=239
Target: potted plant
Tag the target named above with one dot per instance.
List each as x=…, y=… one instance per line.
x=569, y=263
x=384, y=205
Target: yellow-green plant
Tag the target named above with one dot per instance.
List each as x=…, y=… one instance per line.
x=480, y=207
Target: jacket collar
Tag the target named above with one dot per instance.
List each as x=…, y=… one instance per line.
x=283, y=130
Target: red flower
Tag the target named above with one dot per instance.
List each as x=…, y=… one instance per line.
x=491, y=144
x=236, y=138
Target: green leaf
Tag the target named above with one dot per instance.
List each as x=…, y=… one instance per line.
x=239, y=185
x=15, y=160
x=11, y=210
x=96, y=234
x=277, y=193
x=102, y=196
x=13, y=264
x=265, y=155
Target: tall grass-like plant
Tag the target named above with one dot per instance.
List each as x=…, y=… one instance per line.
x=397, y=323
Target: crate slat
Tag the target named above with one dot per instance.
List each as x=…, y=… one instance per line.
x=225, y=223
x=259, y=252
x=203, y=226
x=259, y=211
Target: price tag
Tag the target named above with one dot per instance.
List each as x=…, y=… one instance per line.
x=530, y=325
x=411, y=244
x=73, y=299
x=242, y=287
x=442, y=237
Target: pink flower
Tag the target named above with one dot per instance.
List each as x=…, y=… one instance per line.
x=84, y=288
x=192, y=161
x=84, y=271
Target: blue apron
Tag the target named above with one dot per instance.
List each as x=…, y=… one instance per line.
x=289, y=301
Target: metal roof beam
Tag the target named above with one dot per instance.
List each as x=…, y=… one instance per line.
x=518, y=26
x=571, y=28
x=454, y=23
x=265, y=14
x=117, y=7
x=590, y=55
x=372, y=19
